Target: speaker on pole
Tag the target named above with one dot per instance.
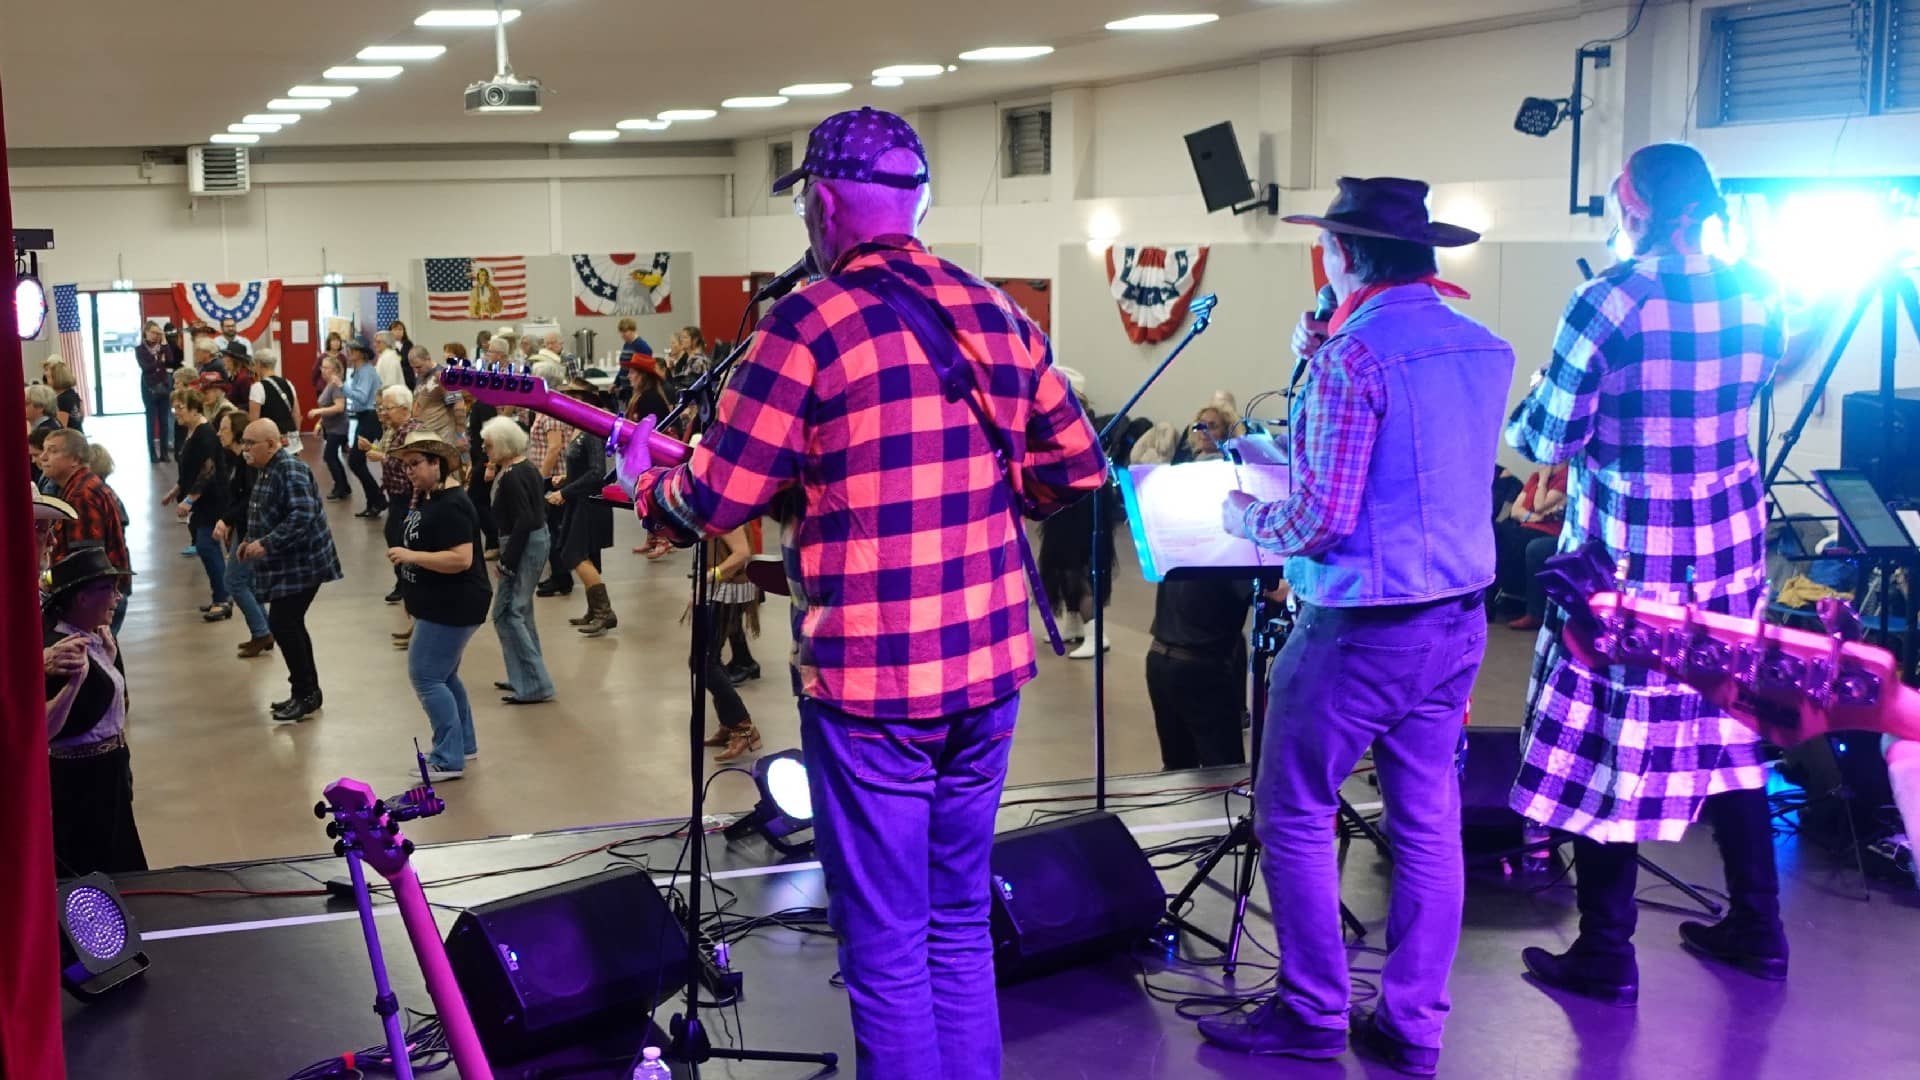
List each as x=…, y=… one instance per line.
x=1069, y=891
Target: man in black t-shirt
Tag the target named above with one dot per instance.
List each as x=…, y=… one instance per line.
x=1197, y=671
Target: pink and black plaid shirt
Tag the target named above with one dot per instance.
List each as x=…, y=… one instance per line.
x=910, y=599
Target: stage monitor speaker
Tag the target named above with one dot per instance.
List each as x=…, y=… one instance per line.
x=1489, y=765
x=1068, y=891
x=540, y=968
x=1864, y=446
x=1221, y=169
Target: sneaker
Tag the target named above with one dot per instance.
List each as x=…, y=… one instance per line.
x=189, y=551
x=1272, y=1028
x=436, y=774
x=1085, y=651
x=1370, y=1040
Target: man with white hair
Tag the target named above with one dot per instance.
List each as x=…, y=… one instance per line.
x=391, y=368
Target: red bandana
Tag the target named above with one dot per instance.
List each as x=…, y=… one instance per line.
x=1367, y=292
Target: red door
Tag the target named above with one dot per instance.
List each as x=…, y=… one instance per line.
x=1035, y=297
x=299, y=304
x=722, y=301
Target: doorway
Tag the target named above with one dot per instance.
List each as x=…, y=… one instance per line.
x=111, y=324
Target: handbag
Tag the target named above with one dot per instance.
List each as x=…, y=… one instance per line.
x=939, y=340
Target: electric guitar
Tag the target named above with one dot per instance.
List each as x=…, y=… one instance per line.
x=1788, y=685
x=366, y=823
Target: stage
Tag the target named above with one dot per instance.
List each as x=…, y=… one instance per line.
x=259, y=987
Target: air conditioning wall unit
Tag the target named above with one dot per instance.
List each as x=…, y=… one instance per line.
x=217, y=170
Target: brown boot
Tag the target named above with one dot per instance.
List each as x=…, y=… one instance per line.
x=253, y=647
x=719, y=738
x=599, y=611
x=742, y=741
x=587, y=617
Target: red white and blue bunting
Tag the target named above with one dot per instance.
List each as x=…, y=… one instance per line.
x=1153, y=287
x=623, y=284
x=250, y=304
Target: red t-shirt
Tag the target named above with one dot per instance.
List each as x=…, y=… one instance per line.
x=1550, y=524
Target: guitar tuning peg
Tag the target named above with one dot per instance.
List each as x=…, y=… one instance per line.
x=339, y=847
x=320, y=810
x=1839, y=619
x=406, y=847
x=333, y=829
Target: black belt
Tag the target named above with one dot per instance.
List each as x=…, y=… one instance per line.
x=1189, y=656
x=1466, y=601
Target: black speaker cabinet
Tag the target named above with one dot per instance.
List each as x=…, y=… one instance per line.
x=1489, y=765
x=544, y=966
x=1219, y=166
x=1864, y=444
x=1067, y=891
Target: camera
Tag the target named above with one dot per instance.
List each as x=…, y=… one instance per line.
x=504, y=93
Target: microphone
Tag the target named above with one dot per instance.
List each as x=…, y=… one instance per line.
x=789, y=279
x=1202, y=311
x=1326, y=303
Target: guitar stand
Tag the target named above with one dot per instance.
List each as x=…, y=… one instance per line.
x=385, y=1004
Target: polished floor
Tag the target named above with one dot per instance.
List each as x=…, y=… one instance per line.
x=216, y=780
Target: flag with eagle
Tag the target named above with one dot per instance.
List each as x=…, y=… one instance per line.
x=250, y=304
x=626, y=284
x=1153, y=287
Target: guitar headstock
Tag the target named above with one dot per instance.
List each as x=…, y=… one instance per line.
x=496, y=384
x=363, y=822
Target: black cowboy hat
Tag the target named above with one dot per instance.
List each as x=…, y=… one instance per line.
x=85, y=563
x=238, y=350
x=1387, y=207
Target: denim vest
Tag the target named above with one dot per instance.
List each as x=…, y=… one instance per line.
x=1425, y=530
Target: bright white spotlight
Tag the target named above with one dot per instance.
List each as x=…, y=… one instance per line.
x=785, y=807
x=787, y=787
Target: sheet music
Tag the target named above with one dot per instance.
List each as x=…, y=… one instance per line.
x=1174, y=513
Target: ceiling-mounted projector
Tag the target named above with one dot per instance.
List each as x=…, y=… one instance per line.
x=505, y=92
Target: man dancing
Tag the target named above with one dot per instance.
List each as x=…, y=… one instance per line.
x=910, y=615
x=1394, y=435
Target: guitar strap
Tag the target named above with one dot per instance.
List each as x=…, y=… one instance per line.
x=939, y=340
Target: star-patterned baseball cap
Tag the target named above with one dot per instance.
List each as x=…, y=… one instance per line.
x=846, y=145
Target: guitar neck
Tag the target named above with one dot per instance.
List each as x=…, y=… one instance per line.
x=424, y=933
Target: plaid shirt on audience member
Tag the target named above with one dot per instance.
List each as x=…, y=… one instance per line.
x=910, y=597
x=1654, y=374
x=537, y=435
x=96, y=521
x=393, y=478
x=285, y=516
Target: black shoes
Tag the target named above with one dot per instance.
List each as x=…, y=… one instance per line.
x=393, y=597
x=339, y=495
x=294, y=710
x=742, y=673
x=371, y=512
x=1611, y=980
x=1272, y=1028
x=217, y=612
x=550, y=587
x=1759, y=951
x=1370, y=1040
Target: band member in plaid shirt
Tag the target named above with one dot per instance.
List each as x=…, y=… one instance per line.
x=1394, y=435
x=1654, y=373
x=910, y=612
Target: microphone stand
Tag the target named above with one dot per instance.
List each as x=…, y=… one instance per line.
x=1098, y=570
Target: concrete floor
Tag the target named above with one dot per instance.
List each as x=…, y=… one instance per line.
x=216, y=780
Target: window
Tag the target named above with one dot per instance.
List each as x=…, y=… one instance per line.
x=1028, y=146
x=1803, y=59
x=782, y=153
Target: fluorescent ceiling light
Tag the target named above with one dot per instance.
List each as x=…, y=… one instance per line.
x=816, y=89
x=1007, y=52
x=768, y=102
x=889, y=80
x=688, y=114
x=278, y=119
x=362, y=71
x=464, y=17
x=400, y=52
x=257, y=129
x=323, y=91
x=644, y=125
x=594, y=135
x=1162, y=22
x=908, y=71
x=298, y=104
x=230, y=137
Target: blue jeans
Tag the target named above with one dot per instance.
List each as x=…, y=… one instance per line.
x=513, y=621
x=433, y=666
x=903, y=822
x=240, y=584
x=1347, y=679
x=214, y=559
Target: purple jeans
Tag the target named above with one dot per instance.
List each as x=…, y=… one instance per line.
x=903, y=822
x=1395, y=680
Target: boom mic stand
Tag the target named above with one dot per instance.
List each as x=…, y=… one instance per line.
x=1098, y=570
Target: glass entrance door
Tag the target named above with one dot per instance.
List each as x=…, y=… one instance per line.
x=116, y=374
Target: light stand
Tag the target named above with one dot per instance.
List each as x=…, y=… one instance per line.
x=1097, y=569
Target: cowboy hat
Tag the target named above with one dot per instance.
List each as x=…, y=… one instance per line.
x=580, y=388
x=238, y=350
x=212, y=379
x=48, y=508
x=426, y=442
x=643, y=361
x=84, y=563
x=1387, y=207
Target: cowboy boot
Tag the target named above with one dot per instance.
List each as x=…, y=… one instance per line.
x=1600, y=963
x=600, y=610
x=741, y=741
x=719, y=738
x=585, y=617
x=253, y=647
x=1750, y=937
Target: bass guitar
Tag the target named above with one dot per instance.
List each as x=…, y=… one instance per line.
x=1788, y=685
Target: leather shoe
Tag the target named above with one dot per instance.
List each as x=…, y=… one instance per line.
x=738, y=675
x=253, y=647
x=393, y=597
x=552, y=588
x=1609, y=980
x=500, y=685
x=1272, y=1028
x=1757, y=951
x=370, y=512
x=1370, y=1040
x=513, y=699
x=298, y=709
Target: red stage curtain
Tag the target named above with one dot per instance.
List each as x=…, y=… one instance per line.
x=30, y=1047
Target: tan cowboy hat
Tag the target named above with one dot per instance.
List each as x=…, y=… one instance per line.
x=48, y=508
x=426, y=442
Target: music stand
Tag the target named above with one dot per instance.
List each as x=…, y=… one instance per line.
x=1173, y=512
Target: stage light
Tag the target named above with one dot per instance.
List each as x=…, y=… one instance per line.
x=785, y=807
x=1007, y=52
x=99, y=943
x=298, y=104
x=1539, y=116
x=1163, y=22
x=29, y=306
x=1818, y=241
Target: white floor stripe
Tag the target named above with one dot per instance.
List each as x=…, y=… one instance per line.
x=385, y=910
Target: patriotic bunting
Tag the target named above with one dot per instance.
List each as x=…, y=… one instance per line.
x=250, y=304
x=625, y=284
x=1153, y=287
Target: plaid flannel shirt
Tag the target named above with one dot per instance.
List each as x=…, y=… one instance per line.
x=1655, y=369
x=1333, y=424
x=286, y=517
x=393, y=477
x=909, y=593
x=96, y=521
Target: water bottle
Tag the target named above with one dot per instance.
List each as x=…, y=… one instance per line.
x=651, y=1067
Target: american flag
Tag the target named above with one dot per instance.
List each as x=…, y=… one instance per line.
x=386, y=309
x=452, y=292
x=73, y=342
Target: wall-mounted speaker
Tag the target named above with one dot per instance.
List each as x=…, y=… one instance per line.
x=1222, y=172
